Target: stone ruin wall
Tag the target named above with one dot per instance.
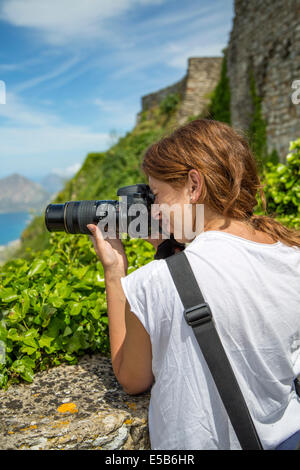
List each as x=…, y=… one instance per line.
x=266, y=36
x=202, y=76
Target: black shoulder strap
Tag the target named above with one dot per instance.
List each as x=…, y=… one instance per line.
x=198, y=315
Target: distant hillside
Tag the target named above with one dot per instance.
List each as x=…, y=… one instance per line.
x=18, y=194
x=103, y=173
x=53, y=183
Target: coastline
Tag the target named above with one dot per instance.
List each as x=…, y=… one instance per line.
x=6, y=251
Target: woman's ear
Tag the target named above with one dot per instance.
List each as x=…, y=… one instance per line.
x=195, y=185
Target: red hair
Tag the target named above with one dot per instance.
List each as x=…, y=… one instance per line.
x=228, y=169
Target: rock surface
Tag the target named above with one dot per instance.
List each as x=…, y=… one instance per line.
x=74, y=407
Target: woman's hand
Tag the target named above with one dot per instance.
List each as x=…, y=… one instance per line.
x=110, y=251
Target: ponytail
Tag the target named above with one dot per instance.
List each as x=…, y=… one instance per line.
x=270, y=226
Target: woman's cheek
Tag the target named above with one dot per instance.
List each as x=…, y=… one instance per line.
x=165, y=221
x=177, y=222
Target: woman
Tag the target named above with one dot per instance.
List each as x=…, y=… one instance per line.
x=248, y=269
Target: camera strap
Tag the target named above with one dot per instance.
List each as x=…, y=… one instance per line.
x=198, y=315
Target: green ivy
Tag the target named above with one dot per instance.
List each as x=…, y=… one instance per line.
x=219, y=108
x=258, y=130
x=53, y=307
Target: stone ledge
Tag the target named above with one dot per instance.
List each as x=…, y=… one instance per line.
x=74, y=407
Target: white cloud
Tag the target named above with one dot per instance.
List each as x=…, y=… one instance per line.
x=35, y=151
x=201, y=36
x=67, y=172
x=117, y=113
x=17, y=112
x=178, y=55
x=38, y=141
x=54, y=74
x=35, y=135
x=64, y=21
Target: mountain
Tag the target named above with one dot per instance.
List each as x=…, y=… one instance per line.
x=53, y=183
x=18, y=194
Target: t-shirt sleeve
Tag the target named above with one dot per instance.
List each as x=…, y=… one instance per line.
x=142, y=290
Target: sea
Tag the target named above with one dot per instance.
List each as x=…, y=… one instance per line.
x=12, y=225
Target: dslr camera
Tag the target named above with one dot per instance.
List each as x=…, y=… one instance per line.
x=125, y=216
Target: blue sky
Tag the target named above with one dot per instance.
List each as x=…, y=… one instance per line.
x=75, y=71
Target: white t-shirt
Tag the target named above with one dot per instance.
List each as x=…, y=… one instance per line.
x=253, y=290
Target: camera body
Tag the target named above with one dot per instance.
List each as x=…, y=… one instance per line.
x=73, y=216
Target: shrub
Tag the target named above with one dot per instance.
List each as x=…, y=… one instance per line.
x=282, y=188
x=53, y=307
x=169, y=104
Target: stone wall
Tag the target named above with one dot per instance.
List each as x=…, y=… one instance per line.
x=73, y=407
x=153, y=99
x=266, y=37
x=202, y=76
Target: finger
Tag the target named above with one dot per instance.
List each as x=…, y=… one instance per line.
x=92, y=228
x=95, y=231
x=98, y=239
x=96, y=236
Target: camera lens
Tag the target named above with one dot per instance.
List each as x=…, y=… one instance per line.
x=54, y=217
x=74, y=216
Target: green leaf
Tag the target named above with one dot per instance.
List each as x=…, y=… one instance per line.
x=24, y=367
x=70, y=358
x=46, y=314
x=62, y=290
x=25, y=303
x=8, y=295
x=7, y=280
x=14, y=334
x=67, y=331
x=3, y=333
x=29, y=343
x=15, y=315
x=3, y=378
x=75, y=308
x=74, y=344
x=55, y=301
x=38, y=266
x=80, y=272
x=45, y=341
x=26, y=349
x=56, y=325
x=95, y=313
